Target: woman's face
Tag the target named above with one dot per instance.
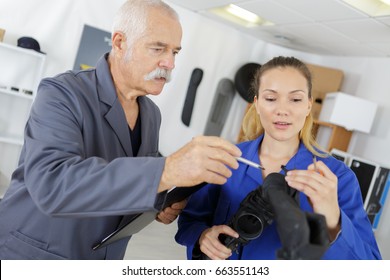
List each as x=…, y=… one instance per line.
x=283, y=103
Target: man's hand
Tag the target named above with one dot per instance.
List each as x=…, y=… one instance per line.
x=204, y=159
x=169, y=214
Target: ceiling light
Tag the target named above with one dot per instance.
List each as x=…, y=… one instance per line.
x=387, y=2
x=374, y=8
x=239, y=16
x=243, y=14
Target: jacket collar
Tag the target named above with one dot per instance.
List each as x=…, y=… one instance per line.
x=253, y=155
x=115, y=115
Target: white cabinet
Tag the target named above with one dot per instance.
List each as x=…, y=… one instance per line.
x=20, y=73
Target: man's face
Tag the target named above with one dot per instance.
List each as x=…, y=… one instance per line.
x=152, y=57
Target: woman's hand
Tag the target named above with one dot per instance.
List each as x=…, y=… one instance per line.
x=210, y=244
x=320, y=186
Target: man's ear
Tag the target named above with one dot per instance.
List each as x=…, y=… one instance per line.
x=118, y=40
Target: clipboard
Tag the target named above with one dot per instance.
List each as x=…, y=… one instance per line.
x=133, y=224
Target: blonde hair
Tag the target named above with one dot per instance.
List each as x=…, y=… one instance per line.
x=251, y=125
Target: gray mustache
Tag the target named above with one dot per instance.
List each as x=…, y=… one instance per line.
x=159, y=73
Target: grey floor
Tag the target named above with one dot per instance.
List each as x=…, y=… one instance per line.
x=155, y=242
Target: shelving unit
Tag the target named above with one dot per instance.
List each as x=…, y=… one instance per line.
x=20, y=73
x=331, y=136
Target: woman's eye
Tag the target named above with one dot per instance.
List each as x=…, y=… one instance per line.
x=297, y=100
x=270, y=99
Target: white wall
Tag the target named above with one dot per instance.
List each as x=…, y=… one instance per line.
x=57, y=25
x=219, y=51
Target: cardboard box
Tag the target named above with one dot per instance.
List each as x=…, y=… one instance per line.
x=316, y=108
x=2, y=32
x=324, y=80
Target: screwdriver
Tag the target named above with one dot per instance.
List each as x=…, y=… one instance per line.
x=250, y=163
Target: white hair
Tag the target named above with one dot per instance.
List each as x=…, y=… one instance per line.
x=131, y=18
x=159, y=73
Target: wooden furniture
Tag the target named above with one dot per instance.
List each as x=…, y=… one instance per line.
x=334, y=136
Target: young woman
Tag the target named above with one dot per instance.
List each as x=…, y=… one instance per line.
x=278, y=129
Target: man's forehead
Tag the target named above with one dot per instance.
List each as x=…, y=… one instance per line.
x=163, y=44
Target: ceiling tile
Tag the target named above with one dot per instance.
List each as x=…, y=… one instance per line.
x=385, y=20
x=367, y=30
x=356, y=49
x=323, y=10
x=278, y=37
x=273, y=12
x=317, y=32
x=322, y=26
x=197, y=5
x=382, y=47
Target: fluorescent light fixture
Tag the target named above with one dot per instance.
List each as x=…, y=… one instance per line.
x=243, y=14
x=238, y=15
x=374, y=8
x=387, y=2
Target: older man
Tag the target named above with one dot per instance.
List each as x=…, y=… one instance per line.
x=91, y=146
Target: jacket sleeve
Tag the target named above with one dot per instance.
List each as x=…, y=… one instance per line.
x=67, y=176
x=197, y=216
x=356, y=239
